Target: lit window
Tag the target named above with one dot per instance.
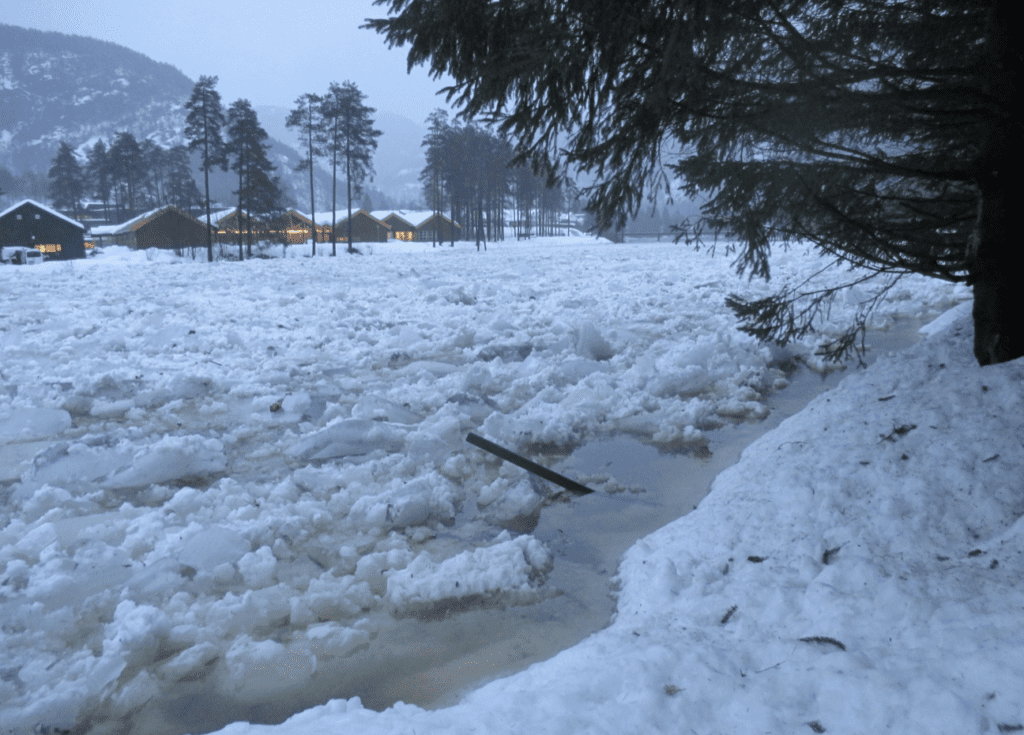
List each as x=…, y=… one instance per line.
x=37, y=216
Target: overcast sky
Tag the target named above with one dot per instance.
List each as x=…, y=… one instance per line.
x=260, y=49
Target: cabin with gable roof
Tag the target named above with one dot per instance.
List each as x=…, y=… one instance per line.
x=31, y=224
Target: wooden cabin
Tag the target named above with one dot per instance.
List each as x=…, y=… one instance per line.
x=365, y=228
x=227, y=222
x=421, y=225
x=446, y=229
x=293, y=227
x=168, y=227
x=31, y=224
x=401, y=228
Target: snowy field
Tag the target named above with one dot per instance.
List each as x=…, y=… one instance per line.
x=221, y=483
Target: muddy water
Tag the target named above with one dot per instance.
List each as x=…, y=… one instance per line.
x=588, y=537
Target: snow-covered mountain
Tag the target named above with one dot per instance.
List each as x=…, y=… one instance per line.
x=56, y=87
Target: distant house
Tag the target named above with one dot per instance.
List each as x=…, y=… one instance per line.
x=365, y=228
x=168, y=227
x=401, y=227
x=227, y=222
x=421, y=226
x=294, y=227
x=31, y=224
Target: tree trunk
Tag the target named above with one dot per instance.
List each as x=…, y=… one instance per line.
x=998, y=328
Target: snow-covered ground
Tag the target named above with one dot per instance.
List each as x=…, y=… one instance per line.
x=222, y=482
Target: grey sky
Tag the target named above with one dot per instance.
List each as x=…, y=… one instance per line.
x=258, y=48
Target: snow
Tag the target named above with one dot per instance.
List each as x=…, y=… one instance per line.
x=223, y=483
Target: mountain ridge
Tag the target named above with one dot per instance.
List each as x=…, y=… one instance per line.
x=56, y=86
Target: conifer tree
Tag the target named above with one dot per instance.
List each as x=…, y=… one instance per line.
x=68, y=181
x=97, y=173
x=247, y=145
x=307, y=117
x=127, y=172
x=203, y=131
x=349, y=133
x=885, y=132
x=182, y=191
x=433, y=173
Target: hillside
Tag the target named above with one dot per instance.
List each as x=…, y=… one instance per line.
x=56, y=87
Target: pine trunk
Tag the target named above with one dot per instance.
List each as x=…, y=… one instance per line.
x=998, y=328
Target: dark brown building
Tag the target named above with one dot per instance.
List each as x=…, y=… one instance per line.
x=34, y=225
x=293, y=228
x=365, y=228
x=169, y=228
x=419, y=225
x=445, y=228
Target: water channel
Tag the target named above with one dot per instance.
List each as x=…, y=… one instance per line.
x=434, y=661
x=588, y=535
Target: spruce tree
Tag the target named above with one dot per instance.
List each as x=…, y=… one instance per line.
x=127, y=172
x=433, y=172
x=885, y=132
x=68, y=181
x=97, y=171
x=308, y=119
x=247, y=145
x=182, y=191
x=349, y=133
x=203, y=131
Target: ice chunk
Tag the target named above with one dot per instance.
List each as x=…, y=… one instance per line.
x=73, y=463
x=171, y=458
x=375, y=407
x=260, y=668
x=349, y=437
x=26, y=424
x=509, y=571
x=590, y=343
x=508, y=353
x=212, y=547
x=15, y=459
x=515, y=506
x=258, y=567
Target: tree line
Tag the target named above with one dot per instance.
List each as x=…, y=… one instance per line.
x=125, y=175
x=470, y=173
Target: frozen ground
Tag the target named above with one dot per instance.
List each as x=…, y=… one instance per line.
x=221, y=482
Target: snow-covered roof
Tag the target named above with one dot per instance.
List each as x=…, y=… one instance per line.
x=43, y=207
x=324, y=218
x=414, y=217
x=134, y=222
x=219, y=215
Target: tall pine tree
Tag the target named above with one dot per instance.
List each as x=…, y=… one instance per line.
x=127, y=172
x=67, y=180
x=248, y=148
x=182, y=191
x=349, y=133
x=97, y=172
x=203, y=131
x=306, y=116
